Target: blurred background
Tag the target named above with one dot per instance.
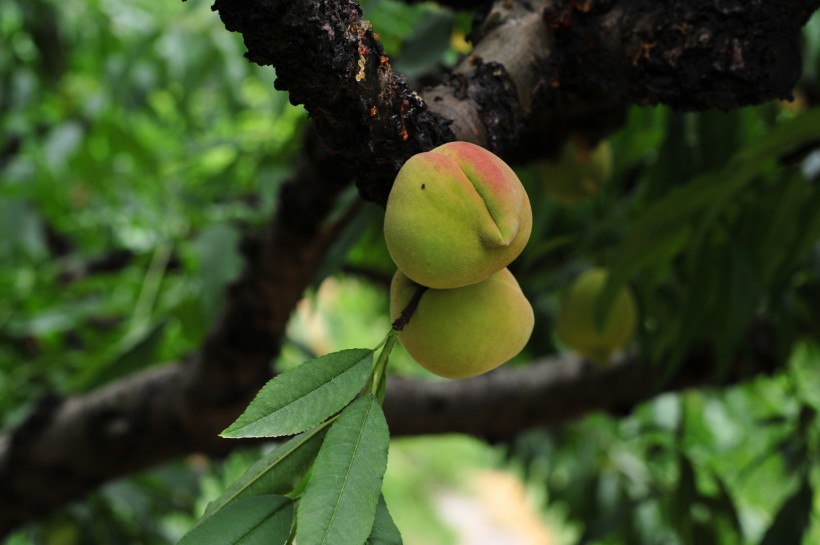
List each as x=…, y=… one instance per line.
x=138, y=145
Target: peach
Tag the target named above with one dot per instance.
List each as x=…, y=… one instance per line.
x=467, y=331
x=578, y=174
x=577, y=325
x=456, y=215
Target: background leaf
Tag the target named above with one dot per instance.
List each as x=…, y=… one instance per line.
x=133, y=353
x=219, y=263
x=793, y=518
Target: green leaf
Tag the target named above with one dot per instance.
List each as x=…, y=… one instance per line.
x=680, y=503
x=793, y=518
x=700, y=202
x=261, y=520
x=663, y=226
x=135, y=351
x=718, y=137
x=811, y=226
x=782, y=139
x=339, y=504
x=783, y=229
x=303, y=397
x=220, y=262
x=724, y=504
x=278, y=472
x=366, y=217
x=384, y=531
x=676, y=161
x=23, y=230
x=427, y=45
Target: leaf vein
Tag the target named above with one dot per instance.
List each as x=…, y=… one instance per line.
x=347, y=473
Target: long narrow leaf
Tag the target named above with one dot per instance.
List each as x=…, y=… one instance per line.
x=701, y=200
x=261, y=520
x=305, y=396
x=384, y=531
x=276, y=473
x=793, y=519
x=339, y=504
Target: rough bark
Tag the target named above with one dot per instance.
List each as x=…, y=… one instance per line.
x=551, y=62
x=688, y=54
x=328, y=58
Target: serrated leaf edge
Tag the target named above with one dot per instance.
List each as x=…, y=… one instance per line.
x=349, y=466
x=232, y=435
x=307, y=437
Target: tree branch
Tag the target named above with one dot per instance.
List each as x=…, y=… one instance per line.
x=688, y=54
x=501, y=404
x=553, y=63
x=328, y=58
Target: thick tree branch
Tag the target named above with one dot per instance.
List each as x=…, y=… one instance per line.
x=503, y=403
x=689, y=54
x=553, y=63
x=328, y=58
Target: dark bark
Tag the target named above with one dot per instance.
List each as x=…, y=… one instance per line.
x=543, y=67
x=328, y=58
x=688, y=54
x=501, y=404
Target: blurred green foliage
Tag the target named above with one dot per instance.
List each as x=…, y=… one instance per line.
x=693, y=468
x=138, y=146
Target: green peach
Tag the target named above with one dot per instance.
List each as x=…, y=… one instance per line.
x=456, y=215
x=577, y=324
x=578, y=174
x=467, y=331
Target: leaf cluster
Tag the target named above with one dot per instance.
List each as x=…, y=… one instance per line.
x=322, y=486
